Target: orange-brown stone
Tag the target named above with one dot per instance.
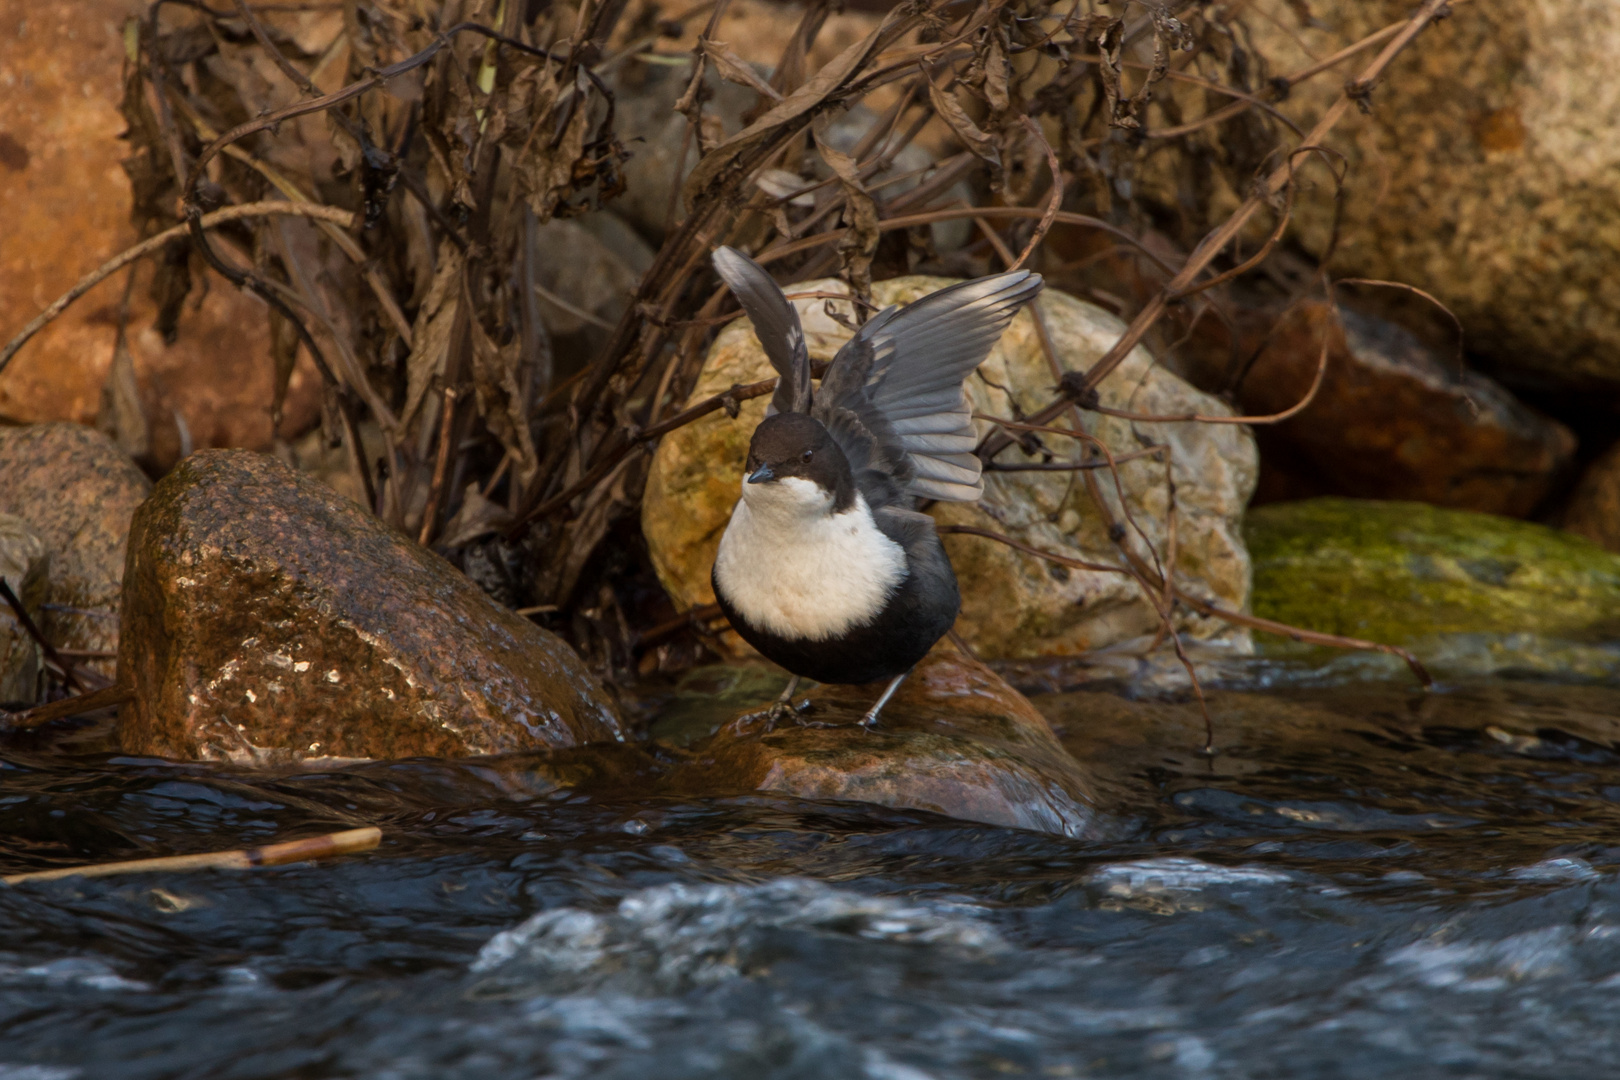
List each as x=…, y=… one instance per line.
x=67, y=210
x=955, y=740
x=267, y=618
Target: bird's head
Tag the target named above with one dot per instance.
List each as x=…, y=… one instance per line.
x=796, y=469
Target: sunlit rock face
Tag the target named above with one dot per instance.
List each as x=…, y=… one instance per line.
x=267, y=618
x=1013, y=606
x=67, y=202
x=1486, y=169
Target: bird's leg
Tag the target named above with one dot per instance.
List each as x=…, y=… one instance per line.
x=872, y=714
x=782, y=706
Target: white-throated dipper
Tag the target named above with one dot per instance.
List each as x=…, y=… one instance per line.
x=826, y=568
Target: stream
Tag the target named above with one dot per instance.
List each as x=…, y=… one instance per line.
x=1366, y=882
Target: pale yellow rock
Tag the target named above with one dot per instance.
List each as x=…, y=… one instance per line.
x=1013, y=605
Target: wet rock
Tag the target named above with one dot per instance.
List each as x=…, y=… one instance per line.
x=67, y=206
x=955, y=740
x=268, y=618
x=23, y=561
x=1486, y=173
x=1594, y=508
x=1013, y=605
x=77, y=491
x=1402, y=572
x=1393, y=420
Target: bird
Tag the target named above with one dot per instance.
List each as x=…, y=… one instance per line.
x=826, y=566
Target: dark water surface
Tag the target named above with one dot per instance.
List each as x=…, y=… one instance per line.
x=1365, y=883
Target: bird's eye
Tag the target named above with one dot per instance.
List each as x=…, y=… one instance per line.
x=807, y=455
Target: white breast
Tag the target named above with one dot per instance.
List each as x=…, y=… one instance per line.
x=792, y=568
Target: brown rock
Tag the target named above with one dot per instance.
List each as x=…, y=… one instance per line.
x=955, y=740
x=1486, y=169
x=23, y=562
x=76, y=491
x=267, y=618
x=1594, y=509
x=67, y=210
x=1392, y=420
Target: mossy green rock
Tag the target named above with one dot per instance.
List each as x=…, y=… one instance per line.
x=1400, y=572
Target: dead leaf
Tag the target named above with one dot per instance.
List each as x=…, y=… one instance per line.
x=430, y=337
x=814, y=91
x=477, y=517
x=122, y=416
x=499, y=392
x=860, y=243
x=971, y=135
x=734, y=68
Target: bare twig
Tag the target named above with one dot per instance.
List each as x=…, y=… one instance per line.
x=347, y=842
x=151, y=244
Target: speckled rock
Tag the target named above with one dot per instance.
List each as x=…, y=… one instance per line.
x=77, y=491
x=267, y=618
x=1404, y=572
x=1013, y=606
x=23, y=562
x=955, y=740
x=1486, y=173
x=67, y=209
x=1393, y=420
x=1594, y=508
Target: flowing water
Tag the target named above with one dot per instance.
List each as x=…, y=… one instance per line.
x=1366, y=882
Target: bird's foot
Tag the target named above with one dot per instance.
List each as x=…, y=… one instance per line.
x=777, y=712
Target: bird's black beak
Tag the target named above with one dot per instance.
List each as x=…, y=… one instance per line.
x=761, y=475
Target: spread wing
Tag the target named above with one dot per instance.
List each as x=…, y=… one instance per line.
x=893, y=396
x=776, y=324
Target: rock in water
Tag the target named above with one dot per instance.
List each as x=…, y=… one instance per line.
x=1392, y=420
x=267, y=618
x=76, y=490
x=1404, y=572
x=1013, y=606
x=955, y=740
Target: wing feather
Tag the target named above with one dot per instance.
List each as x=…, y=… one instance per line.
x=776, y=324
x=907, y=365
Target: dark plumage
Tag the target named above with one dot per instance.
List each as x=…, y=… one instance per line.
x=825, y=567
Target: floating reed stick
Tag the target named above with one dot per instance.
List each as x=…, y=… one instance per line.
x=315, y=847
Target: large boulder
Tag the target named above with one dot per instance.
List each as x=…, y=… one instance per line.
x=1012, y=605
x=77, y=491
x=1393, y=420
x=268, y=618
x=67, y=207
x=1486, y=172
x=955, y=740
x=1400, y=572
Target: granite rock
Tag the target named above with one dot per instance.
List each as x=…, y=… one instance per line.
x=1486, y=171
x=67, y=206
x=955, y=740
x=269, y=619
x=76, y=490
x=23, y=562
x=1013, y=606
